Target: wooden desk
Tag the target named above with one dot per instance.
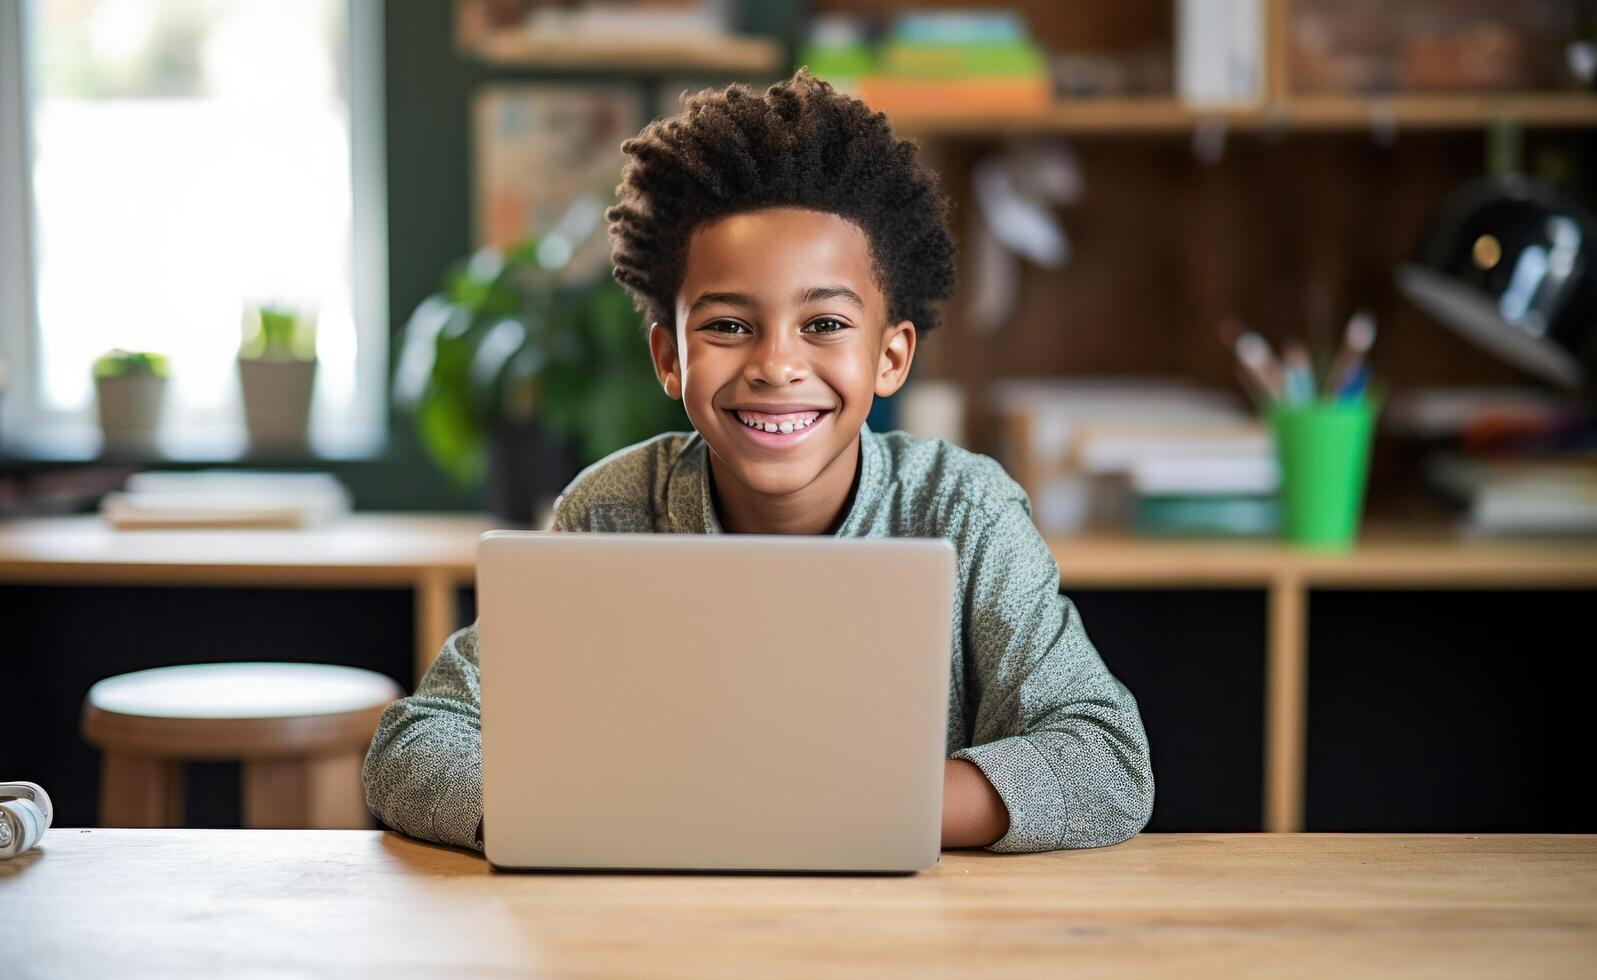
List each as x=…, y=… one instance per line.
x=432, y=554
x=1388, y=556
x=212, y=903
x=436, y=554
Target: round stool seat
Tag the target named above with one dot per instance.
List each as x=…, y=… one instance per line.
x=222, y=711
x=299, y=731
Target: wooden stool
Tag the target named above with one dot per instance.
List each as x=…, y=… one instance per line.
x=299, y=730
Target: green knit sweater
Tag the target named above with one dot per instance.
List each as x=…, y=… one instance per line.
x=1030, y=701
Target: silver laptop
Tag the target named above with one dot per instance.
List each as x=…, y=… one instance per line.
x=731, y=703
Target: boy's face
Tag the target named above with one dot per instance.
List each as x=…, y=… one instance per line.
x=780, y=322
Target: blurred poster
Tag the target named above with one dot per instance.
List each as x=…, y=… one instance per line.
x=540, y=146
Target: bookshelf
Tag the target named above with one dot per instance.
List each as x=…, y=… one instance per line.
x=1137, y=24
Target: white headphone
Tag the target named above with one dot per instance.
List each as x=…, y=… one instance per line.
x=25, y=815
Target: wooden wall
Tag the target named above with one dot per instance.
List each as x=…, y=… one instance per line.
x=1291, y=232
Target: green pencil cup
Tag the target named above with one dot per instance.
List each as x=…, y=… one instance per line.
x=1323, y=450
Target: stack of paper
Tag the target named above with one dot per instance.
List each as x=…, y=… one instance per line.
x=1222, y=482
x=1520, y=496
x=226, y=498
x=1162, y=456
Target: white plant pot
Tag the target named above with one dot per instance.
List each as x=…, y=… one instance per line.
x=130, y=413
x=277, y=402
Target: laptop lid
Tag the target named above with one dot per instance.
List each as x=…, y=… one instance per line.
x=728, y=702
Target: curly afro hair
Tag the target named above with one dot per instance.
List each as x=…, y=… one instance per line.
x=801, y=144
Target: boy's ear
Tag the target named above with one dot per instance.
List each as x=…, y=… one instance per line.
x=898, y=350
x=663, y=349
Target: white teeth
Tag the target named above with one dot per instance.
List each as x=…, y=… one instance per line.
x=783, y=427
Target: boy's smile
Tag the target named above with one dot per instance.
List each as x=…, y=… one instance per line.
x=781, y=341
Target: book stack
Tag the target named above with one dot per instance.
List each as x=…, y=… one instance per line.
x=1181, y=477
x=1556, y=497
x=1228, y=489
x=226, y=498
x=1156, y=457
x=1513, y=460
x=958, y=62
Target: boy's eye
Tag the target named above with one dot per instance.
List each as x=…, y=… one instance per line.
x=825, y=325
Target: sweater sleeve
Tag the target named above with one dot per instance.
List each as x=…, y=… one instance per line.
x=423, y=771
x=1058, y=736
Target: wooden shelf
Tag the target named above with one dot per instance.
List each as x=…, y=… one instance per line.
x=1128, y=115
x=1575, y=110
x=730, y=54
x=395, y=549
x=1316, y=113
x=1388, y=555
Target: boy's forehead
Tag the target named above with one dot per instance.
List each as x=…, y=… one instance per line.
x=778, y=253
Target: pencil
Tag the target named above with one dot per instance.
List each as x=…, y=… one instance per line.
x=1299, y=371
x=1254, y=354
x=1356, y=342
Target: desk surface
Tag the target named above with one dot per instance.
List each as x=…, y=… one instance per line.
x=336, y=903
x=1388, y=555
x=362, y=549
x=395, y=548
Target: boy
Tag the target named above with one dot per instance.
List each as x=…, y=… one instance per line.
x=788, y=252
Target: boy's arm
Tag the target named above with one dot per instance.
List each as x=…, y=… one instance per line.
x=974, y=814
x=1056, y=734
x=423, y=772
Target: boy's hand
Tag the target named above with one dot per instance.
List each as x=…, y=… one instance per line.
x=974, y=814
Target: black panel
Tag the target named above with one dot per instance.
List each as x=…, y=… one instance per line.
x=1429, y=711
x=66, y=638
x=1195, y=663
x=1450, y=712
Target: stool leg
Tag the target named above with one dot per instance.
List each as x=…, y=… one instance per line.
x=137, y=792
x=318, y=792
x=337, y=800
x=274, y=793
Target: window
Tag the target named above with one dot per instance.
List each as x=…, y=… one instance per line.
x=168, y=162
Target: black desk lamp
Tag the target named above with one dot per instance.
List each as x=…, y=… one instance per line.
x=1510, y=264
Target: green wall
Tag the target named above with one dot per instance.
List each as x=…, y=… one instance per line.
x=429, y=92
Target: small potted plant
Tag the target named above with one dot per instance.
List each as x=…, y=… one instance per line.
x=277, y=374
x=129, y=390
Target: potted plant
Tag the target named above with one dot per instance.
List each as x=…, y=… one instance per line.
x=277, y=375
x=129, y=390
x=516, y=377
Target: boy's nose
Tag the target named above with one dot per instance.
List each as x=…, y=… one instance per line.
x=776, y=360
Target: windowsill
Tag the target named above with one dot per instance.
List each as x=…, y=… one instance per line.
x=83, y=445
